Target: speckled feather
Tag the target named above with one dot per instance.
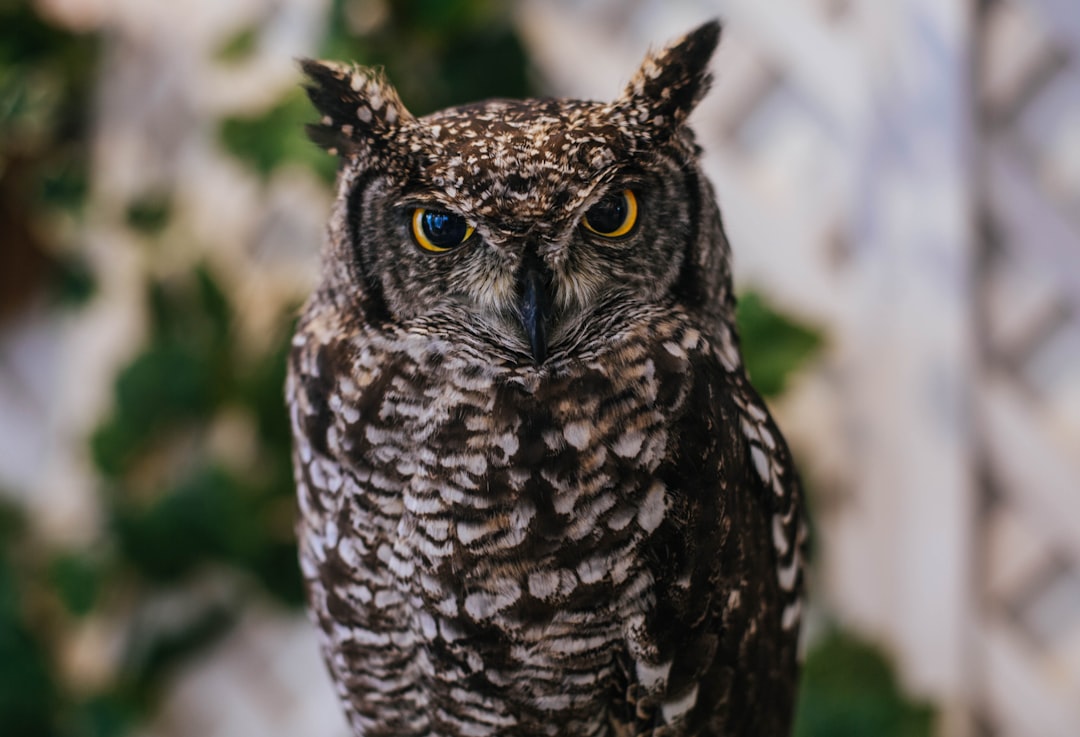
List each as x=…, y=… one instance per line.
x=607, y=542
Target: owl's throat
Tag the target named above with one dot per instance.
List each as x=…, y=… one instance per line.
x=535, y=300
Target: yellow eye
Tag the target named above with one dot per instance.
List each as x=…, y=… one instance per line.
x=614, y=216
x=439, y=231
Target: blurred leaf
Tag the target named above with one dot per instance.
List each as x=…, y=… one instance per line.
x=104, y=715
x=157, y=650
x=166, y=384
x=261, y=389
x=437, y=53
x=64, y=184
x=214, y=305
x=213, y=516
x=848, y=690
x=184, y=527
x=28, y=696
x=192, y=310
x=240, y=46
x=481, y=67
x=278, y=571
x=277, y=137
x=45, y=75
x=12, y=521
x=26, y=37
x=181, y=377
x=149, y=214
x=76, y=578
x=73, y=283
x=773, y=345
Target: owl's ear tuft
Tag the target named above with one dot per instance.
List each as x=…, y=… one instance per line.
x=670, y=83
x=359, y=107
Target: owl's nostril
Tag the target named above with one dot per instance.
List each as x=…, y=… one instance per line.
x=534, y=304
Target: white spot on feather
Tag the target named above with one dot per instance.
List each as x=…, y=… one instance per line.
x=653, y=508
x=592, y=569
x=676, y=709
x=786, y=574
x=485, y=604
x=761, y=462
x=652, y=676
x=427, y=625
x=578, y=434
x=756, y=412
x=780, y=541
x=470, y=532
x=675, y=349
x=386, y=597
x=791, y=615
x=620, y=518
x=543, y=584
x=629, y=444
x=546, y=584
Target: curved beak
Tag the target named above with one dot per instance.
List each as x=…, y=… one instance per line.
x=534, y=304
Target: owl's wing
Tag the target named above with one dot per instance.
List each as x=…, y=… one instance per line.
x=720, y=646
x=346, y=514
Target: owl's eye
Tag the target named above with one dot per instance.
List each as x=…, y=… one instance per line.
x=438, y=231
x=614, y=216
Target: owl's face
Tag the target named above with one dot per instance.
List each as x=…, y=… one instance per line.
x=517, y=221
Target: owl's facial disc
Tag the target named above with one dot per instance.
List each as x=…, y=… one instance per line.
x=534, y=286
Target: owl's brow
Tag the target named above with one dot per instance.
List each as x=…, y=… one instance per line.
x=615, y=178
x=422, y=195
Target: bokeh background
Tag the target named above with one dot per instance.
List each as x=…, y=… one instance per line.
x=901, y=182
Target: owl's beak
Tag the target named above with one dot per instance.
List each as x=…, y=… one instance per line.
x=534, y=305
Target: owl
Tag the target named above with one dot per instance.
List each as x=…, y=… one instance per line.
x=537, y=493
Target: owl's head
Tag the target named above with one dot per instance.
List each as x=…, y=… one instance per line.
x=518, y=225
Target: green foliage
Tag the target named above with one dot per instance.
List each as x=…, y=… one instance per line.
x=44, y=91
x=436, y=54
x=179, y=378
x=175, y=504
x=77, y=578
x=150, y=214
x=277, y=137
x=63, y=180
x=773, y=344
x=240, y=45
x=73, y=282
x=848, y=690
x=103, y=715
x=155, y=650
x=28, y=694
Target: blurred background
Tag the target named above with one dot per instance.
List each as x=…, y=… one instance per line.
x=901, y=183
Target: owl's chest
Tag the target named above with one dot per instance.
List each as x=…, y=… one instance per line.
x=488, y=452
x=495, y=493
x=501, y=525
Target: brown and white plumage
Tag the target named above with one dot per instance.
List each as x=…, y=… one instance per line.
x=575, y=520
